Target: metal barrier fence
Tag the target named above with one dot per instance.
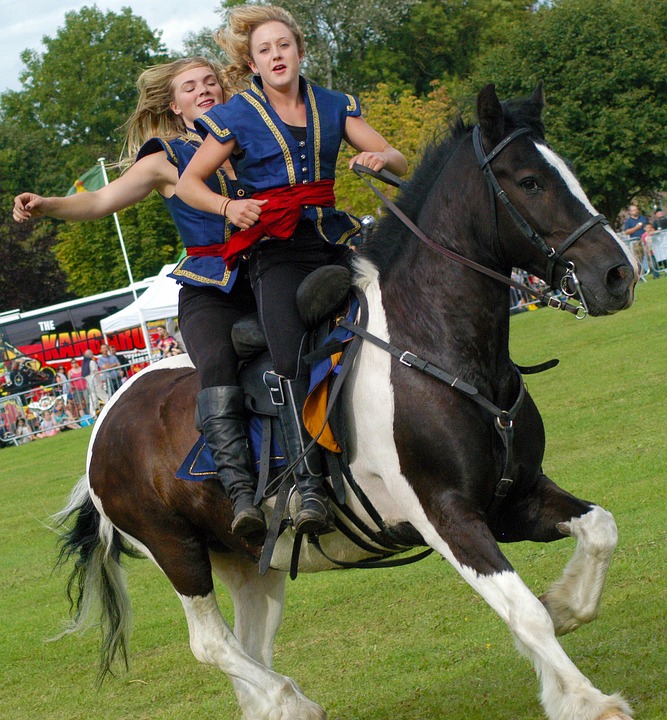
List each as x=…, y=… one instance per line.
x=70, y=404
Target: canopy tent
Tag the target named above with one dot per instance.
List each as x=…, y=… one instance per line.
x=158, y=302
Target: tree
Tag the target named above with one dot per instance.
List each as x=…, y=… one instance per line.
x=605, y=74
x=439, y=40
x=30, y=276
x=406, y=122
x=82, y=88
x=74, y=100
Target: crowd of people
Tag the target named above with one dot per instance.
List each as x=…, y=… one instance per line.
x=79, y=393
x=640, y=232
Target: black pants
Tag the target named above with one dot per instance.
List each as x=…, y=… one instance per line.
x=277, y=267
x=205, y=317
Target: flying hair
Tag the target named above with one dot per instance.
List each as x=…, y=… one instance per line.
x=242, y=21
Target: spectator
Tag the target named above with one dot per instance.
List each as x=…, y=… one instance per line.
x=659, y=220
x=166, y=344
x=109, y=366
x=61, y=377
x=648, y=249
x=63, y=417
x=85, y=419
x=633, y=228
x=22, y=432
x=77, y=383
x=47, y=425
x=96, y=395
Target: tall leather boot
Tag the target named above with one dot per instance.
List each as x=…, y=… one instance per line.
x=289, y=396
x=220, y=412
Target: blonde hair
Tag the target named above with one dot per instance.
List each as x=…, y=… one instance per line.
x=153, y=116
x=242, y=21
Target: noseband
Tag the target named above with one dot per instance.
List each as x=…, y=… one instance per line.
x=569, y=283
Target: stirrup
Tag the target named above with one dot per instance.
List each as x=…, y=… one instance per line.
x=310, y=521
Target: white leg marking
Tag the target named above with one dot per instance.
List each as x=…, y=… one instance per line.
x=258, y=604
x=575, y=598
x=262, y=693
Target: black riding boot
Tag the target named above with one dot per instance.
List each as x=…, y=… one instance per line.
x=315, y=515
x=220, y=412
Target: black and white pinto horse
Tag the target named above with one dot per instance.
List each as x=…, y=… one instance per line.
x=424, y=453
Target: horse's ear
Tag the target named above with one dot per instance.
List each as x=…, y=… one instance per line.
x=490, y=114
x=537, y=98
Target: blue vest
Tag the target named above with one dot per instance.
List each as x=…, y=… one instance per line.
x=270, y=156
x=195, y=227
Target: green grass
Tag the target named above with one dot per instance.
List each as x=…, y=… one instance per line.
x=402, y=644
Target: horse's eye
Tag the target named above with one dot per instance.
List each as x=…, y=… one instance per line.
x=529, y=184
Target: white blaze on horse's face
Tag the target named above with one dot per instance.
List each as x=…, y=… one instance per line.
x=575, y=188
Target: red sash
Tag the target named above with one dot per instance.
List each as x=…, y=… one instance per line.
x=278, y=219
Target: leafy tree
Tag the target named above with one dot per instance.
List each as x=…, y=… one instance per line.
x=202, y=43
x=439, y=39
x=30, y=276
x=408, y=122
x=81, y=89
x=605, y=74
x=75, y=97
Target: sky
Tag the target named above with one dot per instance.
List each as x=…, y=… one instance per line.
x=24, y=23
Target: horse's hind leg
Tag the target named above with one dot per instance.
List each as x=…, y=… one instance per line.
x=549, y=513
x=262, y=693
x=258, y=603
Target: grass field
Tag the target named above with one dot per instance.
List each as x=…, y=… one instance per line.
x=402, y=644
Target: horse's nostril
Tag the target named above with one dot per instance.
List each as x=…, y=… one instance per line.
x=619, y=277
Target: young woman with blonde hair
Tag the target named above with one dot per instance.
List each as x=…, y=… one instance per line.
x=283, y=136
x=161, y=134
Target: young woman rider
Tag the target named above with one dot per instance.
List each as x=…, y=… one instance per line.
x=160, y=132
x=283, y=137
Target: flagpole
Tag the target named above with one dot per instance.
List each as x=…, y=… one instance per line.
x=142, y=322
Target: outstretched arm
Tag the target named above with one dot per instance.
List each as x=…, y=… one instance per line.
x=153, y=172
x=375, y=152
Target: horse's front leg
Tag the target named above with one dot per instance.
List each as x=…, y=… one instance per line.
x=549, y=513
x=462, y=536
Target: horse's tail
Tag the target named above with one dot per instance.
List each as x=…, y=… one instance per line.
x=96, y=587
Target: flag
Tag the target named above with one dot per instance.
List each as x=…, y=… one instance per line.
x=91, y=180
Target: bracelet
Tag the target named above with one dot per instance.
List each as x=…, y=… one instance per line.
x=223, y=206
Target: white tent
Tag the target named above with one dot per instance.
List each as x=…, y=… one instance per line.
x=158, y=302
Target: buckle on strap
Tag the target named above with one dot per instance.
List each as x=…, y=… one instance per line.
x=503, y=486
x=408, y=358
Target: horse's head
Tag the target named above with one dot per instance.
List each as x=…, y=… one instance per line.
x=542, y=220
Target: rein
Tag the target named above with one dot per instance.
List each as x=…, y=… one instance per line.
x=495, y=190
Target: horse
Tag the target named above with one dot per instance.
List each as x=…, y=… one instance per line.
x=427, y=456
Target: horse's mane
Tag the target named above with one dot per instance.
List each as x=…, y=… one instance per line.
x=387, y=237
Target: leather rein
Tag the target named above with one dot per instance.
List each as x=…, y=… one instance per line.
x=569, y=283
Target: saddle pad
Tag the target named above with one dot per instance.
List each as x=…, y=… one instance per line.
x=315, y=406
x=199, y=464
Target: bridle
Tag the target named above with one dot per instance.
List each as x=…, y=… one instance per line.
x=569, y=283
